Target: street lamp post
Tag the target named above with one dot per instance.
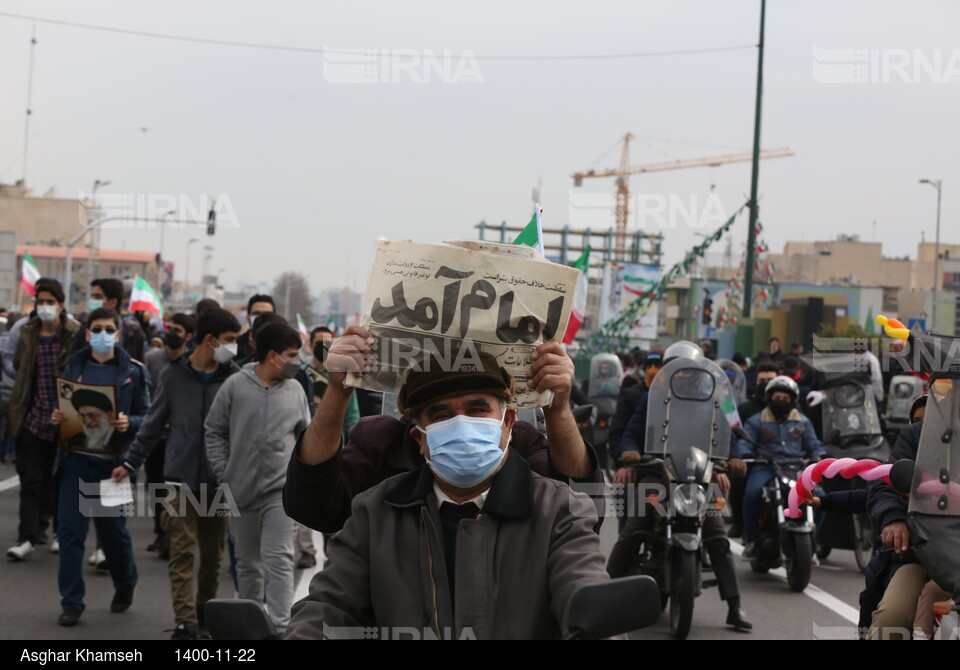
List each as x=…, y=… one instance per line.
x=936, y=183
x=203, y=268
x=94, y=243
x=186, y=274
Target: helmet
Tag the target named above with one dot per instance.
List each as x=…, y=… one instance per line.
x=782, y=383
x=682, y=349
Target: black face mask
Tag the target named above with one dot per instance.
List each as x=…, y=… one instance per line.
x=781, y=408
x=173, y=340
x=761, y=387
x=320, y=352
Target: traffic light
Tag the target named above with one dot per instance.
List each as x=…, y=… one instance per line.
x=212, y=220
x=707, y=310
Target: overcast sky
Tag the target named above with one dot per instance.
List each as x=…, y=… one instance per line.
x=313, y=170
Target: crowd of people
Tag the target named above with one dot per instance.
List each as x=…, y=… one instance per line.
x=452, y=516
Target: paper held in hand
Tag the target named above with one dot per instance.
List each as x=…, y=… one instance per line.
x=454, y=299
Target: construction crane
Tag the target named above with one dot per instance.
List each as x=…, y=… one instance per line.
x=623, y=172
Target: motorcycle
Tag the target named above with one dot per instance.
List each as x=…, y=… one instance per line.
x=933, y=480
x=851, y=426
x=686, y=431
x=903, y=390
x=603, y=388
x=596, y=611
x=783, y=541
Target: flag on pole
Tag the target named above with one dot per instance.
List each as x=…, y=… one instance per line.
x=29, y=274
x=302, y=327
x=145, y=299
x=579, y=306
x=332, y=325
x=532, y=234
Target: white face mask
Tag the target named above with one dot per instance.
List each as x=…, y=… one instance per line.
x=225, y=352
x=47, y=313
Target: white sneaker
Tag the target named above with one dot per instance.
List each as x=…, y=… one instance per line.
x=20, y=551
x=97, y=557
x=55, y=546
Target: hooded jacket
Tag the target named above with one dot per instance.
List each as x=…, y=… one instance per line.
x=182, y=400
x=517, y=563
x=250, y=432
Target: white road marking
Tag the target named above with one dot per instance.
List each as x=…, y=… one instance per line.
x=9, y=483
x=302, y=587
x=829, y=601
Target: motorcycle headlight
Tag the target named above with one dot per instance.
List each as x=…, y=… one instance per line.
x=689, y=500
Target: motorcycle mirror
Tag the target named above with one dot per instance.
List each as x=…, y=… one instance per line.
x=605, y=609
x=581, y=413
x=901, y=475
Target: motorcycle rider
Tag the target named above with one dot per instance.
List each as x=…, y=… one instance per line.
x=783, y=433
x=625, y=552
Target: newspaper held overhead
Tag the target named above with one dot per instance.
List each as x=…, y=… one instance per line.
x=452, y=300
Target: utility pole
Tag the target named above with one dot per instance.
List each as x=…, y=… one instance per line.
x=26, y=128
x=752, y=232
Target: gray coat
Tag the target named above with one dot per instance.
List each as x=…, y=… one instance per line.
x=250, y=432
x=182, y=400
x=517, y=564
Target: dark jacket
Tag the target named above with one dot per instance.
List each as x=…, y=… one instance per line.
x=517, y=563
x=853, y=501
x=884, y=504
x=627, y=404
x=182, y=400
x=380, y=447
x=634, y=435
x=131, y=386
x=25, y=363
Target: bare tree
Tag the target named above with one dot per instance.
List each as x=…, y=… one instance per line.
x=292, y=296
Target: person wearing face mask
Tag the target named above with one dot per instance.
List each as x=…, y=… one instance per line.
x=766, y=370
x=320, y=340
x=108, y=292
x=43, y=345
x=629, y=398
x=471, y=543
x=92, y=457
x=185, y=393
x=256, y=418
x=257, y=306
x=178, y=337
x=325, y=474
x=783, y=433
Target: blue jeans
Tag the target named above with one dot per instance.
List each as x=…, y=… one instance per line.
x=74, y=521
x=758, y=476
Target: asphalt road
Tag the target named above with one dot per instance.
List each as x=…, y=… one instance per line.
x=31, y=603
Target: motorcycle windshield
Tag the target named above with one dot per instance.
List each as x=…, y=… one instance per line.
x=849, y=407
x=903, y=390
x=936, y=476
x=690, y=404
x=606, y=373
x=738, y=380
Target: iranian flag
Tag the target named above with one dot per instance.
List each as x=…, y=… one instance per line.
x=29, y=274
x=332, y=325
x=579, y=297
x=302, y=327
x=532, y=234
x=729, y=409
x=145, y=299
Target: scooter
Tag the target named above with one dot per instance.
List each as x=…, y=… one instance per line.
x=596, y=611
x=783, y=541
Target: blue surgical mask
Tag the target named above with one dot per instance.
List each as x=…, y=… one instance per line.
x=102, y=342
x=464, y=450
x=94, y=304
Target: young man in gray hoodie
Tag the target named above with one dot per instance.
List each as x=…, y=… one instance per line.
x=250, y=433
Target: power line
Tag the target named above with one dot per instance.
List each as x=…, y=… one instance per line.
x=382, y=53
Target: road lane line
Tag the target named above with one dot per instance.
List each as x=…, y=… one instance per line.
x=305, y=576
x=9, y=483
x=828, y=600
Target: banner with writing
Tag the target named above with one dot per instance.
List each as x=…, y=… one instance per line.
x=454, y=299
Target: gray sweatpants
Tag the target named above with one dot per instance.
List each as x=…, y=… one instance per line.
x=263, y=539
